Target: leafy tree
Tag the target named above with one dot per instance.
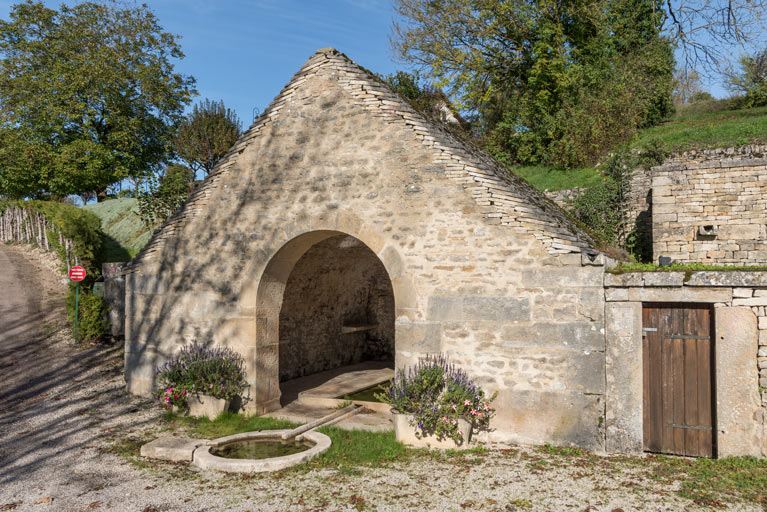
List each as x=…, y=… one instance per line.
x=751, y=80
x=206, y=134
x=554, y=82
x=88, y=96
x=700, y=96
x=168, y=194
x=428, y=100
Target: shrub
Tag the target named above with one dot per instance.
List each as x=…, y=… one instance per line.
x=80, y=226
x=215, y=371
x=437, y=394
x=92, y=324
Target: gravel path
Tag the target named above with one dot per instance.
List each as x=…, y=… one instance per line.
x=62, y=407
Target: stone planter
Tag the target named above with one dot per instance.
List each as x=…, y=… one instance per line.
x=206, y=405
x=406, y=434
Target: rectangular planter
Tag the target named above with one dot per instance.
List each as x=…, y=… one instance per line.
x=206, y=405
x=406, y=434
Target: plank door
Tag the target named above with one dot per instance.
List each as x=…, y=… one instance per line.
x=678, y=391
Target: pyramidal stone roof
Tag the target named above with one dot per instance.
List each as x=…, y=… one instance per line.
x=506, y=198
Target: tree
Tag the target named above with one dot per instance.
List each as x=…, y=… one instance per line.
x=705, y=31
x=751, y=79
x=206, y=134
x=88, y=96
x=548, y=81
x=169, y=192
x=686, y=85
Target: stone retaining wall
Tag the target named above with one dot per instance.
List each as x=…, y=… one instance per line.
x=710, y=208
x=739, y=300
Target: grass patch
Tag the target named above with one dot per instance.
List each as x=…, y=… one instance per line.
x=709, y=481
x=692, y=130
x=624, y=268
x=713, y=124
x=549, y=178
x=352, y=448
x=226, y=424
x=562, y=451
x=124, y=233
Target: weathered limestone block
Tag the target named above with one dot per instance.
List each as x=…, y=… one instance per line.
x=684, y=294
x=663, y=278
x=623, y=368
x=558, y=418
x=738, y=405
x=730, y=278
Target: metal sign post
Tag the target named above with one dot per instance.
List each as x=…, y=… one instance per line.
x=77, y=274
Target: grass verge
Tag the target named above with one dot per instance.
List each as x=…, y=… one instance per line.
x=624, y=268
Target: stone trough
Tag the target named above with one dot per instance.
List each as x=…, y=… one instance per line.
x=202, y=454
x=204, y=459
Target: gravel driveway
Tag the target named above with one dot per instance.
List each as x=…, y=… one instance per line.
x=63, y=406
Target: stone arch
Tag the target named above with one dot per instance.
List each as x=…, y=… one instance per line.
x=263, y=297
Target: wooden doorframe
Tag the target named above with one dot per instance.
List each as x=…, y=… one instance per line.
x=712, y=367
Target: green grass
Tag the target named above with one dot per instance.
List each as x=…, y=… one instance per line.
x=624, y=268
x=549, y=178
x=125, y=233
x=226, y=424
x=708, y=130
x=710, y=481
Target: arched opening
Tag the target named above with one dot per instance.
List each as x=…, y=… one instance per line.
x=336, y=316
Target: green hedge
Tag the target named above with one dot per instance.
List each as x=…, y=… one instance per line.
x=92, y=320
x=80, y=226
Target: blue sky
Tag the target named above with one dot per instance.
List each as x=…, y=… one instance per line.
x=245, y=51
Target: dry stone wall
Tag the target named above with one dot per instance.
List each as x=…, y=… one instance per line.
x=711, y=207
x=483, y=267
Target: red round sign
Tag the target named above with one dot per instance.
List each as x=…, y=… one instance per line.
x=77, y=273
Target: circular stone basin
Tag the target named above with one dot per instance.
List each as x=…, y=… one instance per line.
x=210, y=456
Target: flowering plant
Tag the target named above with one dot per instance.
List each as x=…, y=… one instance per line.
x=438, y=394
x=174, y=397
x=215, y=371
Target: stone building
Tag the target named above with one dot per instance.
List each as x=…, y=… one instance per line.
x=344, y=227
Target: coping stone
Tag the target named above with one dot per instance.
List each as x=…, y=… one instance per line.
x=174, y=449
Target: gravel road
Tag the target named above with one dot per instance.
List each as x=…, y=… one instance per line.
x=62, y=406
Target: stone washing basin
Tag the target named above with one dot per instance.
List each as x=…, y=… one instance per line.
x=204, y=459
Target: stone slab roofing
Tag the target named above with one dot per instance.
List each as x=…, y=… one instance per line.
x=506, y=198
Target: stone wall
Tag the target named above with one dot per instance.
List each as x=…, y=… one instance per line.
x=114, y=296
x=739, y=299
x=338, y=309
x=482, y=266
x=711, y=209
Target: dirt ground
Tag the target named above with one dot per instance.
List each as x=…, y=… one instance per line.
x=63, y=409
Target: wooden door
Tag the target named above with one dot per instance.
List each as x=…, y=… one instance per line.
x=678, y=365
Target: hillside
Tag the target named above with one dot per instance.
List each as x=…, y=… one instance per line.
x=700, y=125
x=125, y=232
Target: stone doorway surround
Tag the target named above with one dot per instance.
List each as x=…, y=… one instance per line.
x=263, y=297
x=740, y=346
